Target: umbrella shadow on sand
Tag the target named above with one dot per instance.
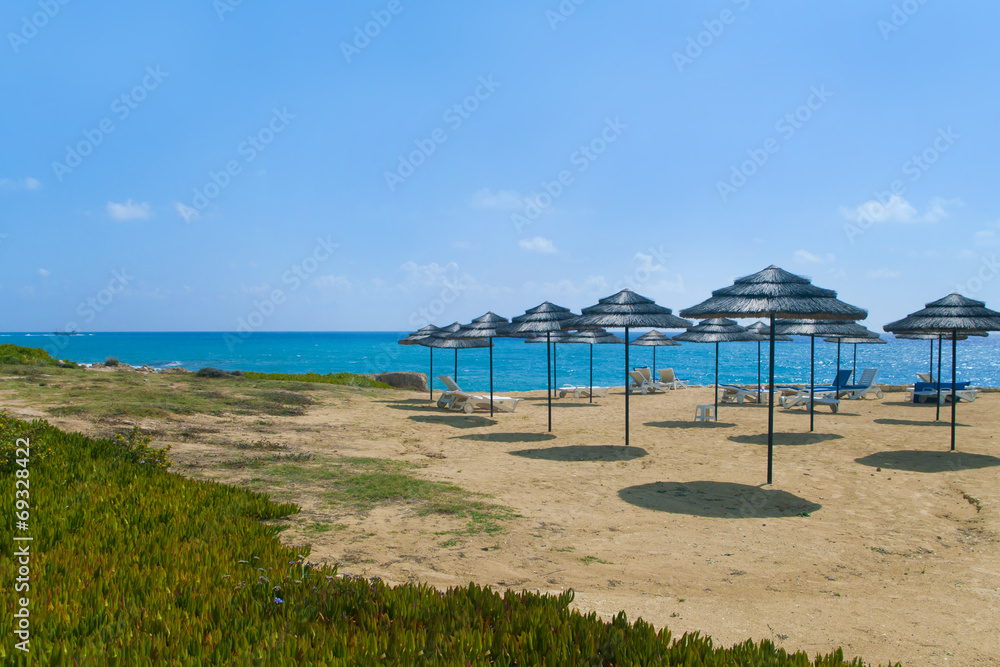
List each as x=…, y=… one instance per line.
x=584, y=453
x=692, y=424
x=506, y=437
x=416, y=405
x=919, y=461
x=723, y=500
x=916, y=422
x=455, y=421
x=786, y=438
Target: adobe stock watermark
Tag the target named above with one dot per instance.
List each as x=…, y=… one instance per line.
x=914, y=167
x=786, y=127
x=581, y=159
x=223, y=7
x=454, y=116
x=987, y=271
x=899, y=17
x=89, y=309
x=264, y=309
x=122, y=107
x=562, y=13
x=364, y=34
x=248, y=149
x=32, y=24
x=697, y=44
x=648, y=264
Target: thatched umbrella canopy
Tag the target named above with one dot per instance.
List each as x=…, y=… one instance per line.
x=764, y=332
x=654, y=339
x=545, y=318
x=774, y=293
x=829, y=328
x=442, y=339
x=953, y=315
x=626, y=309
x=717, y=330
x=416, y=338
x=484, y=326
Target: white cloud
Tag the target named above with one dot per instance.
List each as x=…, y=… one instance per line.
x=899, y=210
x=986, y=238
x=883, y=273
x=186, y=212
x=504, y=200
x=537, y=244
x=806, y=257
x=44, y=273
x=28, y=183
x=128, y=211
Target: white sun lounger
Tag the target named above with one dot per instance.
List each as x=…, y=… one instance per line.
x=733, y=394
x=581, y=391
x=456, y=399
x=644, y=384
x=668, y=378
x=801, y=400
x=866, y=385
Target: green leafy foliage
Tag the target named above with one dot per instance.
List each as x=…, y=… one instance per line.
x=29, y=356
x=131, y=564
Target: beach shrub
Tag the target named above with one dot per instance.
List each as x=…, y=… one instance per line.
x=26, y=356
x=131, y=564
x=348, y=379
x=209, y=372
x=112, y=362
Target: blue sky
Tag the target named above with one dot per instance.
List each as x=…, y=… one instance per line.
x=201, y=165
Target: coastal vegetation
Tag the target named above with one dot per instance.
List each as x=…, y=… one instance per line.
x=132, y=564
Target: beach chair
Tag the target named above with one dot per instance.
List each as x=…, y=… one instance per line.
x=866, y=385
x=803, y=397
x=456, y=399
x=668, y=378
x=925, y=377
x=581, y=391
x=925, y=392
x=733, y=394
x=641, y=382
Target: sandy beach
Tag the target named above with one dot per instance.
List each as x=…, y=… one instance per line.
x=873, y=537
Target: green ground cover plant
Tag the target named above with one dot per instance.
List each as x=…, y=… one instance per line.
x=131, y=564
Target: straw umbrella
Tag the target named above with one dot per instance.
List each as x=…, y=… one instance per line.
x=764, y=332
x=654, y=339
x=626, y=309
x=442, y=339
x=940, y=339
x=482, y=327
x=416, y=338
x=545, y=318
x=717, y=330
x=812, y=328
x=954, y=315
x=774, y=293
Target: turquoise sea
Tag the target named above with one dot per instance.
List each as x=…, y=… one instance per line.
x=517, y=366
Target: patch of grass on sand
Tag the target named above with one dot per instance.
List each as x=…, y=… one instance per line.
x=587, y=560
x=360, y=484
x=128, y=394
x=348, y=379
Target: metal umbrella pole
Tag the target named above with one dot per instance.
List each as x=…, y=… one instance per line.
x=937, y=417
x=627, y=392
x=770, y=403
x=812, y=382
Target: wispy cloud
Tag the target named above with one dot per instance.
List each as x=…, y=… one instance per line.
x=537, y=244
x=28, y=183
x=128, y=211
x=44, y=273
x=334, y=283
x=806, y=257
x=897, y=209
